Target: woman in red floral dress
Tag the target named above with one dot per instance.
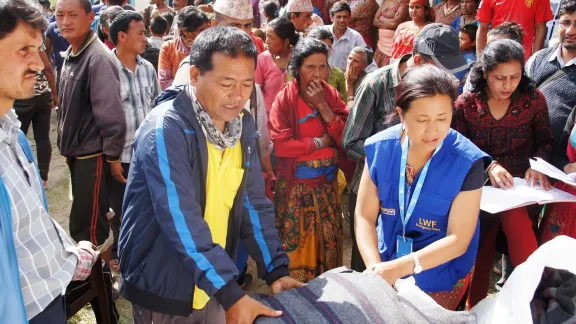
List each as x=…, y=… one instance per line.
x=506, y=117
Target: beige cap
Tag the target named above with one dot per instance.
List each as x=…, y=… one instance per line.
x=299, y=6
x=237, y=9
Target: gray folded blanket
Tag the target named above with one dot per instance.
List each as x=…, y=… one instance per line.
x=344, y=296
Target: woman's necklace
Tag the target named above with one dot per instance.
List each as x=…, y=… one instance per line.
x=407, y=42
x=451, y=10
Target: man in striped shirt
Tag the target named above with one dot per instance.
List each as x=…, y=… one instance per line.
x=38, y=260
x=139, y=86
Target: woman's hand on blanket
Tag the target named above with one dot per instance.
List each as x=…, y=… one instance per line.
x=389, y=271
x=285, y=283
x=246, y=310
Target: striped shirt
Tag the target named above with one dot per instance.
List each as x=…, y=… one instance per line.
x=47, y=257
x=374, y=102
x=342, y=47
x=138, y=91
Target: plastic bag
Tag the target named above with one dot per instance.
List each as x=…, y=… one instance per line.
x=512, y=303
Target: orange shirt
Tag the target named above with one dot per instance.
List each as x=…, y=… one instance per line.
x=169, y=62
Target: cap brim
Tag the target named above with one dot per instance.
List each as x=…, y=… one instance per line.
x=451, y=64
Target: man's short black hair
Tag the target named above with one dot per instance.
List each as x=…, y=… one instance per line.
x=86, y=5
x=13, y=12
x=470, y=30
x=121, y=23
x=340, y=6
x=567, y=7
x=159, y=25
x=191, y=18
x=116, y=3
x=228, y=41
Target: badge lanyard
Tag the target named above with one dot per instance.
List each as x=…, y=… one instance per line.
x=405, y=215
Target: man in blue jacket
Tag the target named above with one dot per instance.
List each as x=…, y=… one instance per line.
x=195, y=188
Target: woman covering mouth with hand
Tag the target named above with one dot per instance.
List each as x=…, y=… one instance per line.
x=419, y=196
x=306, y=125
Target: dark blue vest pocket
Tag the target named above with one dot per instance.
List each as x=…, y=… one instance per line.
x=388, y=221
x=441, y=278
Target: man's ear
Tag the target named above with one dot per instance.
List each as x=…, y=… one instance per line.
x=418, y=60
x=213, y=22
x=194, y=75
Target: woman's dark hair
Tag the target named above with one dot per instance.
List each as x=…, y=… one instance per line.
x=423, y=81
x=13, y=12
x=340, y=6
x=190, y=19
x=509, y=30
x=321, y=34
x=285, y=29
x=109, y=14
x=229, y=41
x=271, y=10
x=306, y=47
x=497, y=52
x=106, y=18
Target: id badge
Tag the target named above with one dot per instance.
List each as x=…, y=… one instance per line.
x=403, y=246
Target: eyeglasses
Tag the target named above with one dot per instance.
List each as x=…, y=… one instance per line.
x=565, y=24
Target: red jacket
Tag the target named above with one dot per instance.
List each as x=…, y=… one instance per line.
x=284, y=131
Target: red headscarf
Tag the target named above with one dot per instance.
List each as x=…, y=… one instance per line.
x=431, y=15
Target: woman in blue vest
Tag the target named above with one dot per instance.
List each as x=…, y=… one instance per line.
x=419, y=196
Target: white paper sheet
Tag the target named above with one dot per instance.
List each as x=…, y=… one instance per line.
x=552, y=171
x=495, y=200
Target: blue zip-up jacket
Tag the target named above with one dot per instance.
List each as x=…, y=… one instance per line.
x=165, y=245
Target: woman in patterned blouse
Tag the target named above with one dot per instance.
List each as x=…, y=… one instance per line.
x=506, y=117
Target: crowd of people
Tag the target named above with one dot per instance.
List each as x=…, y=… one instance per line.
x=200, y=134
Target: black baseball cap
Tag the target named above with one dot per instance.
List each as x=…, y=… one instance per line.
x=441, y=43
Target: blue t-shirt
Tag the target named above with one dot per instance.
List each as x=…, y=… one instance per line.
x=456, y=24
x=470, y=58
x=59, y=44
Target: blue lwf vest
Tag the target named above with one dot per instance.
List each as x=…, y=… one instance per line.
x=429, y=221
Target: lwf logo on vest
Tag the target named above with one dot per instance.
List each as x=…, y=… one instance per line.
x=428, y=225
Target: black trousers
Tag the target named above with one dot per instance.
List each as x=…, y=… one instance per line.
x=357, y=264
x=55, y=312
x=116, y=191
x=36, y=111
x=90, y=179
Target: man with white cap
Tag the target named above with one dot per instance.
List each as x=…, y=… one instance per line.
x=300, y=14
x=374, y=101
x=239, y=14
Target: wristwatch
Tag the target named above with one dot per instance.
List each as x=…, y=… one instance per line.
x=417, y=266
